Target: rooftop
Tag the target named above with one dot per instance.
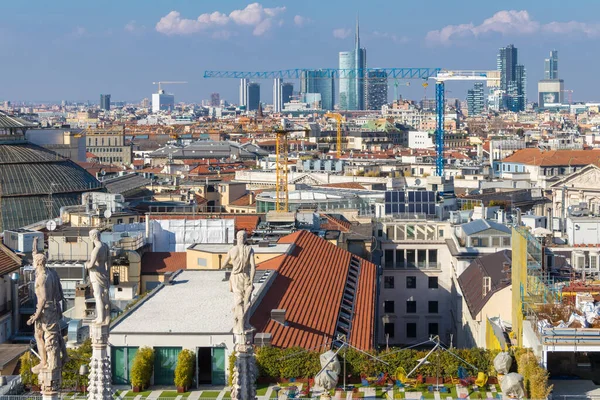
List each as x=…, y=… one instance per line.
x=551, y=158
x=9, y=261
x=280, y=248
x=207, y=307
x=159, y=262
x=480, y=225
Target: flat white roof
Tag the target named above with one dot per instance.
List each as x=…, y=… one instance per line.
x=279, y=248
x=196, y=302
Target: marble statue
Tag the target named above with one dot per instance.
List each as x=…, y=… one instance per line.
x=328, y=377
x=51, y=346
x=98, y=267
x=241, y=259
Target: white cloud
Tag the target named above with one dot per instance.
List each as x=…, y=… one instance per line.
x=508, y=22
x=133, y=27
x=79, y=31
x=254, y=15
x=299, y=20
x=341, y=33
x=394, y=38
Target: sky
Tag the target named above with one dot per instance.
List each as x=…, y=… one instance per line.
x=74, y=50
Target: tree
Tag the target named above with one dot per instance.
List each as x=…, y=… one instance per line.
x=184, y=371
x=142, y=368
x=28, y=361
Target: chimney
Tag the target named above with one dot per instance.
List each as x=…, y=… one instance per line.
x=250, y=198
x=263, y=339
x=278, y=315
x=168, y=278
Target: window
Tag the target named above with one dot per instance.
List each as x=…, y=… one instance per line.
x=433, y=328
x=411, y=307
x=389, y=258
x=433, y=282
x=131, y=220
x=388, y=282
x=411, y=282
x=71, y=239
x=411, y=330
x=388, y=306
x=506, y=241
x=119, y=220
x=388, y=329
x=433, y=307
x=495, y=241
x=201, y=262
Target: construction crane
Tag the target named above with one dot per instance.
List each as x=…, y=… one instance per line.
x=167, y=82
x=491, y=77
x=281, y=163
x=338, y=118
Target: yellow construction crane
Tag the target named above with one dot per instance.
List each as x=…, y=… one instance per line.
x=338, y=117
x=281, y=164
x=168, y=82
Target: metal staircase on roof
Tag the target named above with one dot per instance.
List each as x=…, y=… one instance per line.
x=343, y=326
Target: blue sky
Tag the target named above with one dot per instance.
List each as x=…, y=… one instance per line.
x=75, y=50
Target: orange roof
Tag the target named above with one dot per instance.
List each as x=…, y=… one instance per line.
x=535, y=156
x=9, y=261
x=336, y=224
x=311, y=293
x=245, y=200
x=159, y=262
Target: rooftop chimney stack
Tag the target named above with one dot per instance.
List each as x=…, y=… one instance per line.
x=278, y=315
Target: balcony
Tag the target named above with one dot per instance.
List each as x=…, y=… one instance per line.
x=411, y=265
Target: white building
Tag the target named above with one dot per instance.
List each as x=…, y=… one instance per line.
x=192, y=311
x=162, y=101
x=420, y=140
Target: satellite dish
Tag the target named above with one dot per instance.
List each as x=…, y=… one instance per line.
x=102, y=172
x=51, y=225
x=417, y=181
x=107, y=214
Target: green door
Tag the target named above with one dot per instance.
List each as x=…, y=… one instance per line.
x=121, y=362
x=165, y=361
x=218, y=366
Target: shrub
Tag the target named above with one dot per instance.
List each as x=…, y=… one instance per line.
x=184, y=371
x=77, y=357
x=143, y=365
x=230, y=367
x=29, y=361
x=535, y=377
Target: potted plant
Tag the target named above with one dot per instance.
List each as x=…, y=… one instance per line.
x=184, y=371
x=142, y=368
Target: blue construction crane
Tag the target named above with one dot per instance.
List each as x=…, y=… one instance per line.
x=492, y=77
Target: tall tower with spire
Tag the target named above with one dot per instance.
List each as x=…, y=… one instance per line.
x=353, y=90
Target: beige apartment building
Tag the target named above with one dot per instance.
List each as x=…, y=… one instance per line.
x=108, y=145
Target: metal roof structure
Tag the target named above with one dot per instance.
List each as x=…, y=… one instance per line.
x=10, y=122
x=35, y=183
x=208, y=149
x=480, y=225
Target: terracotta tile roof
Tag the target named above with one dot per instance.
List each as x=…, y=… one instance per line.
x=309, y=286
x=247, y=222
x=159, y=262
x=535, y=156
x=345, y=185
x=9, y=261
x=245, y=200
x=335, y=224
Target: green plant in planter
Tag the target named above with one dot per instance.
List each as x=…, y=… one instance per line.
x=184, y=371
x=142, y=368
x=29, y=361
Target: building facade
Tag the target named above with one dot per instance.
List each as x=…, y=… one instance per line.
x=243, y=92
x=377, y=87
x=162, y=101
x=312, y=82
x=512, y=79
x=108, y=145
x=277, y=95
x=475, y=99
x=551, y=66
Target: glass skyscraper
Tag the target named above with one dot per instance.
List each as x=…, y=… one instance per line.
x=312, y=81
x=353, y=88
x=105, y=102
x=512, y=79
x=253, y=96
x=551, y=66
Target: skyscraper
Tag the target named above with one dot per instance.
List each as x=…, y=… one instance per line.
x=512, y=79
x=105, y=102
x=243, y=92
x=376, y=89
x=253, y=96
x=215, y=99
x=287, y=91
x=353, y=88
x=551, y=66
x=475, y=104
x=277, y=96
x=312, y=81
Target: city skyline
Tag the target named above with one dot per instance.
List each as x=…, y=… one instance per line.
x=190, y=37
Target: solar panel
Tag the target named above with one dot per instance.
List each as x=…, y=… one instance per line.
x=412, y=201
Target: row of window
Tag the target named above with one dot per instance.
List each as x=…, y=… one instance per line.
x=107, y=149
x=389, y=307
x=411, y=282
x=389, y=329
x=101, y=142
